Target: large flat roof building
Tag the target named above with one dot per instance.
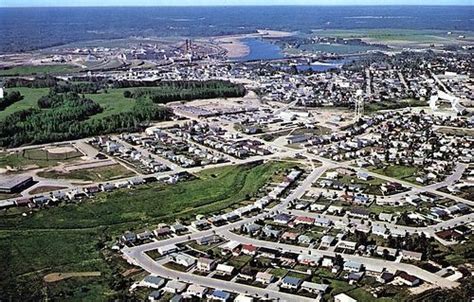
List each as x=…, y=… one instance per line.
x=15, y=183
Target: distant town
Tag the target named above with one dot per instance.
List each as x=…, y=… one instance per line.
x=322, y=167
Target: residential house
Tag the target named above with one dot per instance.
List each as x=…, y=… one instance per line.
x=207, y=240
x=167, y=249
x=406, y=279
x=282, y=218
x=219, y=295
x=290, y=236
x=196, y=290
x=205, y=264
x=230, y=247
x=304, y=220
x=154, y=296
x=249, y=249
x=264, y=278
x=175, y=287
x=251, y=228
x=314, y=288
x=223, y=269
x=380, y=230
x=409, y=255
x=359, y=213
x=343, y=298
x=153, y=281
x=382, y=251
x=385, y=277
x=327, y=240
x=178, y=228
x=311, y=260
x=182, y=259
x=347, y=245
x=304, y=239
x=268, y=253
x=352, y=266
x=291, y=283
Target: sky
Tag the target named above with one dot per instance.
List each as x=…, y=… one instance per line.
x=35, y=3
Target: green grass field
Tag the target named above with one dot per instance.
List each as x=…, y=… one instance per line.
x=66, y=238
x=112, y=102
x=405, y=173
x=40, y=69
x=30, y=99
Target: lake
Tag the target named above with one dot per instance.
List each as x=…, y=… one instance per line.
x=261, y=50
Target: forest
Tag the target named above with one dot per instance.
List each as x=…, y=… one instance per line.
x=66, y=114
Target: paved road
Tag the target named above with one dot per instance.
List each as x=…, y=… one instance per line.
x=156, y=268
x=137, y=256
x=429, y=230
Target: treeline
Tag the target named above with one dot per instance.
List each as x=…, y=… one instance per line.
x=38, y=82
x=69, y=119
x=157, y=91
x=10, y=98
x=187, y=90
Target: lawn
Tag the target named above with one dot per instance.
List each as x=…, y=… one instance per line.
x=94, y=174
x=239, y=261
x=66, y=238
x=405, y=173
x=38, y=69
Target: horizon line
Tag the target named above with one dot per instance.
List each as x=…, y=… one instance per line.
x=238, y=5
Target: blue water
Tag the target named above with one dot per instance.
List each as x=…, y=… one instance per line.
x=261, y=50
x=32, y=28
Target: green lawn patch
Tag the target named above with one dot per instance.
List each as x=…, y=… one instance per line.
x=406, y=173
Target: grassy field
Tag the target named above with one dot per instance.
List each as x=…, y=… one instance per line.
x=30, y=99
x=112, y=102
x=391, y=105
x=405, y=173
x=38, y=69
x=68, y=238
x=94, y=174
x=35, y=158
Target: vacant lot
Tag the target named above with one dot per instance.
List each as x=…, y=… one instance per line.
x=94, y=174
x=405, y=173
x=69, y=238
x=35, y=158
